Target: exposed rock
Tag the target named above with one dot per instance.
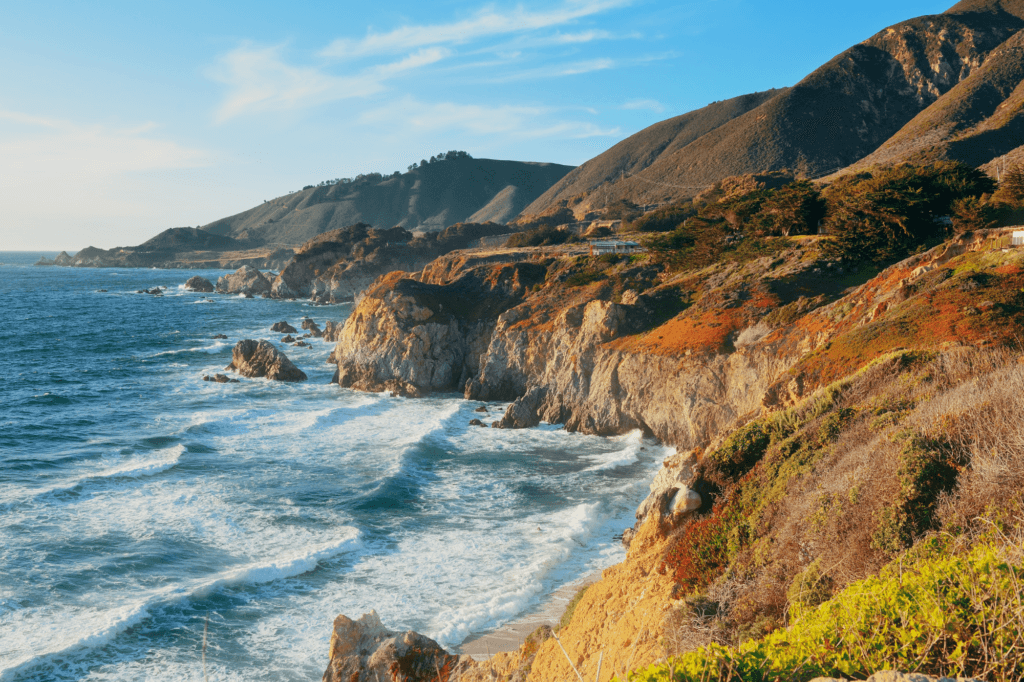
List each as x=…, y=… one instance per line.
x=365, y=651
x=430, y=336
x=43, y=260
x=283, y=327
x=301, y=344
x=332, y=331
x=477, y=422
x=63, y=259
x=260, y=359
x=288, y=339
x=312, y=327
x=482, y=408
x=200, y=284
x=220, y=379
x=670, y=495
x=246, y=280
x=220, y=336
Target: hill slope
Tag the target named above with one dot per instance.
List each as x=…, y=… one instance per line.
x=431, y=197
x=834, y=117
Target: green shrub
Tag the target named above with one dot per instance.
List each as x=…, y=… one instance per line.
x=541, y=236
x=579, y=279
x=933, y=613
x=570, y=608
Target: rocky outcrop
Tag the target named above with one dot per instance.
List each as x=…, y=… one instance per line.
x=246, y=280
x=43, y=260
x=332, y=331
x=283, y=327
x=200, y=284
x=670, y=494
x=63, y=259
x=365, y=651
x=260, y=359
x=426, y=335
x=311, y=326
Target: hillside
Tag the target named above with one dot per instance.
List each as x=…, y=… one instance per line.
x=835, y=116
x=430, y=197
x=978, y=120
x=845, y=497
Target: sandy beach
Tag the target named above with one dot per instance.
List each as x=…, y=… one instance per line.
x=510, y=636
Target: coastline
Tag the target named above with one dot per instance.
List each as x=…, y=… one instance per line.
x=509, y=637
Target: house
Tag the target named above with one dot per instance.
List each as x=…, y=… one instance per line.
x=1018, y=238
x=599, y=248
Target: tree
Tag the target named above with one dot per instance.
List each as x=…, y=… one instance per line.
x=1011, y=187
x=885, y=214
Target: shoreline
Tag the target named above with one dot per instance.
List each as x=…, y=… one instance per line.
x=510, y=636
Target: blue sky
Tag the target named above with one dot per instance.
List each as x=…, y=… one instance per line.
x=121, y=119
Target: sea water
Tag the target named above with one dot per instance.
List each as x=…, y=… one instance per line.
x=140, y=504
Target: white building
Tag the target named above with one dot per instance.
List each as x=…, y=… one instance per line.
x=1018, y=238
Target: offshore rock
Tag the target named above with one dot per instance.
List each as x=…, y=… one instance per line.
x=200, y=284
x=283, y=327
x=312, y=327
x=245, y=280
x=260, y=359
x=365, y=651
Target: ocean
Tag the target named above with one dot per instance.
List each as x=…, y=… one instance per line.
x=140, y=504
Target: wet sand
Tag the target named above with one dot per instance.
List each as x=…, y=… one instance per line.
x=511, y=636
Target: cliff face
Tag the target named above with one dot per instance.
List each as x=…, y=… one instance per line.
x=682, y=360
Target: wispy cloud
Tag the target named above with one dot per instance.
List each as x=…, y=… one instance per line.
x=45, y=146
x=514, y=121
x=486, y=23
x=641, y=104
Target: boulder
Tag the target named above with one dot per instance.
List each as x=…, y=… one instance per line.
x=482, y=408
x=477, y=422
x=332, y=331
x=220, y=336
x=283, y=327
x=220, y=379
x=312, y=327
x=246, y=280
x=200, y=284
x=670, y=493
x=365, y=651
x=288, y=339
x=260, y=359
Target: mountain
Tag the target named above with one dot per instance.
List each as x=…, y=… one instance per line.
x=430, y=197
x=834, y=117
x=979, y=119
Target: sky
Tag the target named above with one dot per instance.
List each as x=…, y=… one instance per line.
x=121, y=119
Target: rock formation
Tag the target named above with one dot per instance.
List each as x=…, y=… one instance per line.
x=312, y=327
x=283, y=327
x=247, y=280
x=260, y=359
x=425, y=335
x=365, y=651
x=200, y=284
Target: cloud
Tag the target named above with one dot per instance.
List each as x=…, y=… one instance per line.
x=521, y=122
x=60, y=175
x=486, y=23
x=649, y=104
x=47, y=147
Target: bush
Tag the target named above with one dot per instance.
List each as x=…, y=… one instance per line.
x=931, y=613
x=545, y=235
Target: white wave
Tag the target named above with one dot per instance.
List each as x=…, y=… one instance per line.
x=102, y=627
x=634, y=442
x=287, y=566
x=211, y=349
x=168, y=459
